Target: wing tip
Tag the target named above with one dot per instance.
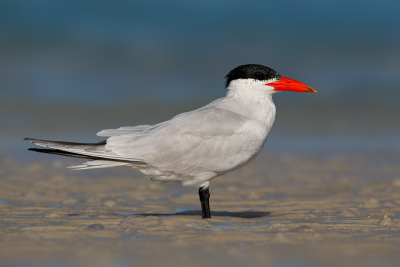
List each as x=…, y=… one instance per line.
x=39, y=150
x=32, y=140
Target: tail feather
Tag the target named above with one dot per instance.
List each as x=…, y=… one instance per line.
x=94, y=164
x=80, y=150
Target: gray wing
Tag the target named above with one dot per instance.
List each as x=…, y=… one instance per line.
x=208, y=139
x=123, y=130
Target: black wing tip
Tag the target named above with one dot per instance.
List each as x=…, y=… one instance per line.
x=59, y=152
x=42, y=150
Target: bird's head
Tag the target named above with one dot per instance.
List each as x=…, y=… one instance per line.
x=263, y=78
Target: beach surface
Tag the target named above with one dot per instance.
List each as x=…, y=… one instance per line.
x=283, y=207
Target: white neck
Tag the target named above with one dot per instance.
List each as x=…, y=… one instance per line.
x=255, y=100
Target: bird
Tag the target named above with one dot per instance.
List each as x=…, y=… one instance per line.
x=196, y=146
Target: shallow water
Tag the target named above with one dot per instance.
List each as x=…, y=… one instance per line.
x=283, y=206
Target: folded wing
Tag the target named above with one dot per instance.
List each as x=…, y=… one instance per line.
x=208, y=139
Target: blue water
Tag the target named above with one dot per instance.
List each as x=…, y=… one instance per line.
x=72, y=68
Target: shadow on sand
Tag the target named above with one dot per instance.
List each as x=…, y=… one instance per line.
x=242, y=214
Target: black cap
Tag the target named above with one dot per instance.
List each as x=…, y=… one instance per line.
x=252, y=71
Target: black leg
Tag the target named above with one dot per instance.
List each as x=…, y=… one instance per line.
x=204, y=195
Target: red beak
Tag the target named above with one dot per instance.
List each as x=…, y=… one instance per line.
x=287, y=84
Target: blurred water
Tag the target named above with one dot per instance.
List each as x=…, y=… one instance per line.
x=71, y=68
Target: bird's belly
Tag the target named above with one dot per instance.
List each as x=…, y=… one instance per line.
x=160, y=176
x=239, y=160
x=193, y=169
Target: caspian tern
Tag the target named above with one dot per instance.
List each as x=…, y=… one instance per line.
x=197, y=146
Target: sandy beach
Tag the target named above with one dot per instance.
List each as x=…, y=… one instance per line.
x=283, y=206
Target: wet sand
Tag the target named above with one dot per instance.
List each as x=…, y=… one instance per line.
x=289, y=207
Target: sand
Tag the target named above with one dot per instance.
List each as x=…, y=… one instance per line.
x=283, y=207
